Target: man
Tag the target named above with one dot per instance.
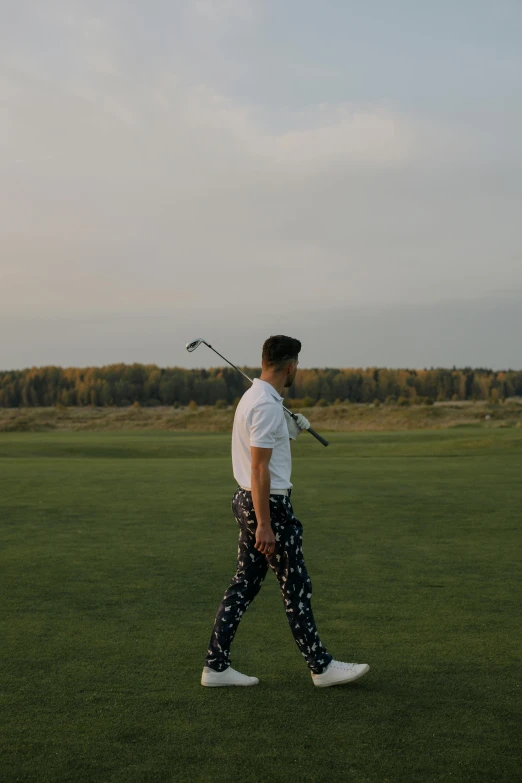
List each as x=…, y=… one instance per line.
x=269, y=533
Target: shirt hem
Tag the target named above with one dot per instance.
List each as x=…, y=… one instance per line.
x=271, y=488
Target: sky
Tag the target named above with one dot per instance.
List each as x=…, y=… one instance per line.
x=346, y=173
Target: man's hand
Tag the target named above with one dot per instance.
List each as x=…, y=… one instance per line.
x=265, y=540
x=296, y=427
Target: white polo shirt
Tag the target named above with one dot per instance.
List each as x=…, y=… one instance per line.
x=260, y=421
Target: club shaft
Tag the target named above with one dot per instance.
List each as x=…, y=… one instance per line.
x=227, y=361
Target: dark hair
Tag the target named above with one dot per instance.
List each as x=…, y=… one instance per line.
x=279, y=349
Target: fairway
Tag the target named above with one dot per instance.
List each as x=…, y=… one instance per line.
x=116, y=549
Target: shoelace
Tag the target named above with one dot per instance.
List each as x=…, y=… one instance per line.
x=341, y=665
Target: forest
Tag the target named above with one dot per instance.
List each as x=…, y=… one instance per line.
x=150, y=385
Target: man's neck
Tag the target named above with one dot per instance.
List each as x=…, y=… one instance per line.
x=276, y=381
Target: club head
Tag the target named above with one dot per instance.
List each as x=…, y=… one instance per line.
x=194, y=344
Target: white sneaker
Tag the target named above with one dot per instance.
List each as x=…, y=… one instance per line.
x=338, y=673
x=230, y=676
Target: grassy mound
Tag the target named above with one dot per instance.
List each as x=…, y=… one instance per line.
x=334, y=418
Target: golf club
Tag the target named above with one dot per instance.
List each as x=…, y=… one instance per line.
x=195, y=343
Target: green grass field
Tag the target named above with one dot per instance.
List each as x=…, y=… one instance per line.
x=117, y=547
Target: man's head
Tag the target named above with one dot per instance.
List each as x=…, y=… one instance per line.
x=280, y=356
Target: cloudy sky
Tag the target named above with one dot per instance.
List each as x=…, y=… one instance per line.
x=347, y=173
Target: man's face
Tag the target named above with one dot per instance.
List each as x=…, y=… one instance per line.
x=291, y=369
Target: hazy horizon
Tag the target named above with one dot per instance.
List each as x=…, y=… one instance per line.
x=464, y=331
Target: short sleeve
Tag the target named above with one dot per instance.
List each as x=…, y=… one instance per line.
x=264, y=423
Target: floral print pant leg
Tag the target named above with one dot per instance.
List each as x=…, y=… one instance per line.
x=288, y=565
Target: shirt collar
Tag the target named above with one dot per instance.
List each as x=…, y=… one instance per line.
x=269, y=387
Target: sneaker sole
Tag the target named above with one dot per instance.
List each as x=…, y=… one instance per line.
x=229, y=684
x=342, y=682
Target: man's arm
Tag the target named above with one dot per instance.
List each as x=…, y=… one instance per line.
x=260, y=485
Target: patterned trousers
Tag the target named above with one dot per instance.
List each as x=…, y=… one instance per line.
x=288, y=565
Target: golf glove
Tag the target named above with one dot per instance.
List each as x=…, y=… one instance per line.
x=296, y=427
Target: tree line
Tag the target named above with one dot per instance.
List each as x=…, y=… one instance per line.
x=149, y=385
